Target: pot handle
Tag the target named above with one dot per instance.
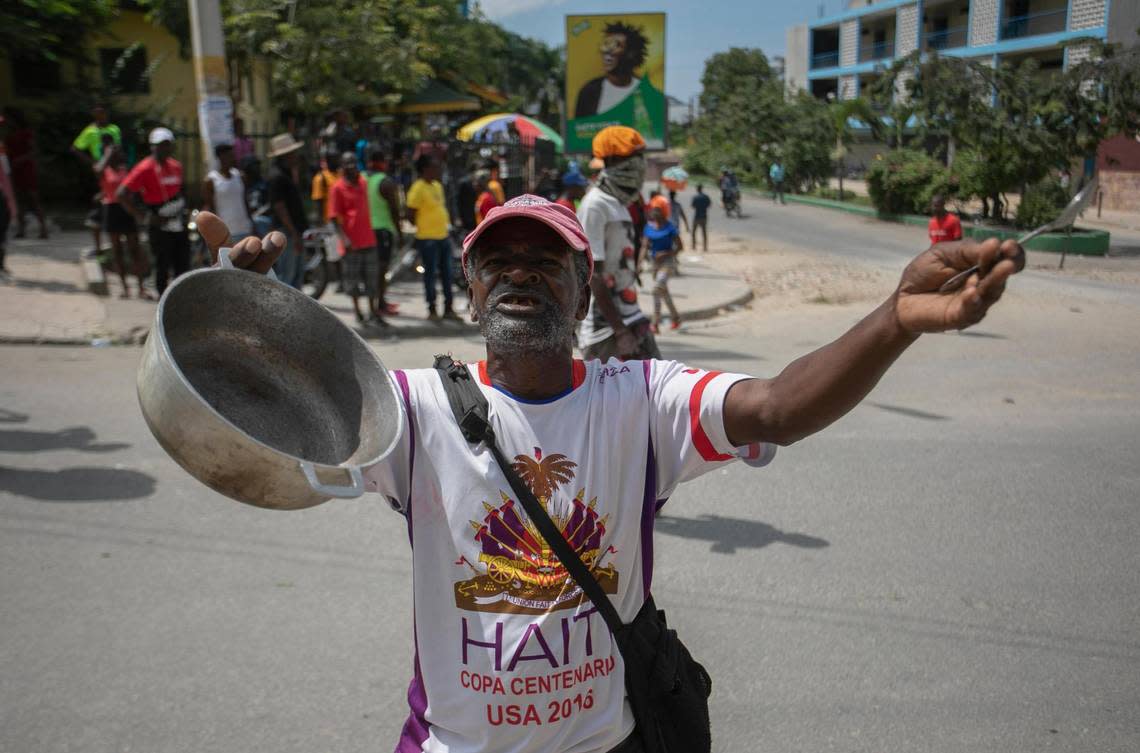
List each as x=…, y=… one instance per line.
x=225, y=262
x=332, y=490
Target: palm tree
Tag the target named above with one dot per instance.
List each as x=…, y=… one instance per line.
x=843, y=111
x=544, y=475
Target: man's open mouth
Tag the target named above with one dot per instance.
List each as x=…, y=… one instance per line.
x=519, y=303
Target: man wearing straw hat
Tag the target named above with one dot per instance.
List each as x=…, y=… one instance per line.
x=510, y=656
x=288, y=208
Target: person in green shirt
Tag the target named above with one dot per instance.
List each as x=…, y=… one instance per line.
x=384, y=206
x=88, y=147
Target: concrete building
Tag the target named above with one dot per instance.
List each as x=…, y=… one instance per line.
x=842, y=54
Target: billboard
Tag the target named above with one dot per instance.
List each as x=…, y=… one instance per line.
x=615, y=75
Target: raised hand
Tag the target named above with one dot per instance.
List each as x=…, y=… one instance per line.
x=921, y=308
x=252, y=253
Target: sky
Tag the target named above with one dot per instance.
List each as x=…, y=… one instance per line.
x=694, y=29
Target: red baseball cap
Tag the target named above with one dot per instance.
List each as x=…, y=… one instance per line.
x=558, y=218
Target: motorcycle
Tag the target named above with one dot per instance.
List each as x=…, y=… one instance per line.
x=199, y=254
x=406, y=261
x=732, y=203
x=317, y=270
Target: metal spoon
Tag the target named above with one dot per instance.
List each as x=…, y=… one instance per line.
x=1075, y=207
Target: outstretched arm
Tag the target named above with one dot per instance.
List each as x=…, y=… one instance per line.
x=817, y=389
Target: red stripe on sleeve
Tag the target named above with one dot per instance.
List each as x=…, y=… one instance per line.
x=701, y=440
x=578, y=374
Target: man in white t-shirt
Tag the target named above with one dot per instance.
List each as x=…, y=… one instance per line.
x=510, y=656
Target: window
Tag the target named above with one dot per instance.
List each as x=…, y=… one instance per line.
x=125, y=69
x=34, y=75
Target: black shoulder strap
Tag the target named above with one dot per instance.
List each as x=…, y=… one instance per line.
x=471, y=411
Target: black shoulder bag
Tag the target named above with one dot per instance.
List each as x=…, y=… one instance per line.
x=667, y=689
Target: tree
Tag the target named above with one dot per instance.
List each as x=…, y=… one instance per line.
x=742, y=109
x=805, y=152
x=369, y=53
x=51, y=29
x=1097, y=98
x=841, y=113
x=949, y=98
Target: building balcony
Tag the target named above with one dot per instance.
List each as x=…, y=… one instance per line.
x=1033, y=24
x=945, y=39
x=825, y=59
x=876, y=51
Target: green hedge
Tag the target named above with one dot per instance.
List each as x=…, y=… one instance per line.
x=902, y=181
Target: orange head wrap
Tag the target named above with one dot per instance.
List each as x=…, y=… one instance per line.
x=617, y=141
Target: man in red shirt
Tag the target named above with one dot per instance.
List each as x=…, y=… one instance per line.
x=157, y=180
x=348, y=211
x=944, y=226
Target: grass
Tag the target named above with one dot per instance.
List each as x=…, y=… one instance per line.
x=848, y=197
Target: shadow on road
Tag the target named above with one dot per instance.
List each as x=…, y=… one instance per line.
x=698, y=356
x=12, y=417
x=729, y=534
x=987, y=335
x=911, y=412
x=49, y=286
x=84, y=484
x=74, y=438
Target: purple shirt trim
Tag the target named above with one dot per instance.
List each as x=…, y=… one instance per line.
x=402, y=380
x=649, y=502
x=415, y=730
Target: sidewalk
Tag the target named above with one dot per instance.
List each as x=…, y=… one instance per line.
x=48, y=302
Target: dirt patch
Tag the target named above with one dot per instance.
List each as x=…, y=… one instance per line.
x=794, y=277
x=1116, y=270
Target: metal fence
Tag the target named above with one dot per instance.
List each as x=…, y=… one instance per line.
x=520, y=165
x=945, y=39
x=1031, y=24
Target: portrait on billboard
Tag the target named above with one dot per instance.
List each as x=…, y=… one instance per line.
x=615, y=75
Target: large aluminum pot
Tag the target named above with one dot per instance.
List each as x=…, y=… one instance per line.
x=263, y=394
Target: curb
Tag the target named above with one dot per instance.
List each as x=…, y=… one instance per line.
x=93, y=274
x=709, y=312
x=419, y=331
x=1084, y=242
x=138, y=336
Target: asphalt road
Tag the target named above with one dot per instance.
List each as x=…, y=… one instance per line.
x=952, y=567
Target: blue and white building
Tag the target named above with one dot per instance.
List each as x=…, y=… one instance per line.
x=841, y=55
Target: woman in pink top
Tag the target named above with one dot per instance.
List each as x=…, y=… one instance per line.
x=117, y=221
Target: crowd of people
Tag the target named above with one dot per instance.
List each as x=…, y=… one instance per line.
x=357, y=203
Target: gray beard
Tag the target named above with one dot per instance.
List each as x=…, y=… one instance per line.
x=551, y=332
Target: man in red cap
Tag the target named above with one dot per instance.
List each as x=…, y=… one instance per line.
x=516, y=657
x=615, y=325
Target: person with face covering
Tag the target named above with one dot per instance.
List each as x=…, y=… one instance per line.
x=615, y=325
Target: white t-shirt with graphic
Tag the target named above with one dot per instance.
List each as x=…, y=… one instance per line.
x=609, y=230
x=613, y=95
x=510, y=657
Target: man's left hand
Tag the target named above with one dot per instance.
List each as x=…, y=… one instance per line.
x=921, y=308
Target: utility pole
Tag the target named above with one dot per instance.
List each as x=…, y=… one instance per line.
x=215, y=108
